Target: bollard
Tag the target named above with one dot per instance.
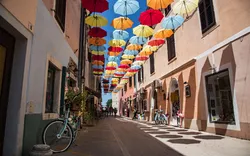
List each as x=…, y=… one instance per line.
x=41, y=150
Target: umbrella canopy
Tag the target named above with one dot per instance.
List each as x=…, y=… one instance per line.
x=158, y=4
x=126, y=7
x=138, y=62
x=97, y=67
x=110, y=68
x=127, y=61
x=150, y=17
x=120, y=34
x=122, y=23
x=141, y=58
x=130, y=52
x=185, y=6
x=98, y=57
x=97, y=73
x=109, y=72
x=97, y=32
x=172, y=22
x=111, y=64
x=113, y=58
x=96, y=62
x=150, y=48
x=115, y=49
x=97, y=48
x=121, y=69
x=95, y=5
x=98, y=70
x=112, y=53
x=163, y=33
x=97, y=41
x=156, y=42
x=132, y=70
x=118, y=75
x=136, y=67
x=105, y=81
x=117, y=43
x=145, y=53
x=97, y=52
x=143, y=31
x=134, y=47
x=128, y=56
x=123, y=66
x=137, y=40
x=96, y=21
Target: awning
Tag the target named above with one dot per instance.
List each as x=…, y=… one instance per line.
x=93, y=92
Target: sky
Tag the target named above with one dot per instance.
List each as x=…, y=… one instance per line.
x=110, y=15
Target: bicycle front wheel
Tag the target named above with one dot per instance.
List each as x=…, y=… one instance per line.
x=58, y=136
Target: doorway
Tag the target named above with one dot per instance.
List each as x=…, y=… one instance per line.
x=7, y=43
x=174, y=101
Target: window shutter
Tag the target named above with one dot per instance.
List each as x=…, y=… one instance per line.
x=64, y=72
x=207, y=16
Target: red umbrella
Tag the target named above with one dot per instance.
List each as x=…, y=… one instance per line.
x=98, y=70
x=156, y=42
x=95, y=5
x=98, y=57
x=105, y=81
x=118, y=75
x=110, y=68
x=115, y=49
x=113, y=85
x=141, y=58
x=132, y=70
x=150, y=17
x=124, y=66
x=97, y=32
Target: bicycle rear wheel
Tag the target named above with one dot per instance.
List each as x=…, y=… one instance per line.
x=51, y=136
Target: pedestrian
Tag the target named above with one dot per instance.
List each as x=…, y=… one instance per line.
x=115, y=111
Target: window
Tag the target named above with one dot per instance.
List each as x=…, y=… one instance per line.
x=207, y=17
x=125, y=87
x=152, y=63
x=171, y=47
x=134, y=80
x=219, y=96
x=89, y=57
x=130, y=81
x=142, y=73
x=50, y=89
x=167, y=10
x=139, y=75
x=144, y=105
x=60, y=13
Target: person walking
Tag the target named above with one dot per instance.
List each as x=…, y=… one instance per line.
x=115, y=111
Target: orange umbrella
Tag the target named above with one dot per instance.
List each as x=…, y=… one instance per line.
x=113, y=53
x=97, y=41
x=127, y=61
x=96, y=62
x=134, y=47
x=122, y=23
x=163, y=33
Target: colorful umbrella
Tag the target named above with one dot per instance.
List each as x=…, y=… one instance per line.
x=95, y=5
x=145, y=53
x=130, y=52
x=141, y=58
x=123, y=66
x=115, y=49
x=156, y=42
x=109, y=72
x=120, y=34
x=163, y=33
x=97, y=41
x=97, y=32
x=97, y=67
x=150, y=17
x=132, y=70
x=97, y=48
x=97, y=73
x=127, y=61
x=96, y=62
x=172, y=22
x=137, y=63
x=117, y=43
x=126, y=7
x=143, y=31
x=136, y=67
x=150, y=48
x=110, y=68
x=134, y=47
x=158, y=4
x=98, y=57
x=121, y=69
x=112, y=53
x=122, y=23
x=185, y=6
x=128, y=56
x=118, y=75
x=113, y=58
x=105, y=81
x=98, y=70
x=96, y=21
x=111, y=64
x=98, y=52
x=137, y=40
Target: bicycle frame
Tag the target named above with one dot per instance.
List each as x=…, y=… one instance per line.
x=65, y=123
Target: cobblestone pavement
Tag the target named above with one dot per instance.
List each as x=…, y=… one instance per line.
x=124, y=137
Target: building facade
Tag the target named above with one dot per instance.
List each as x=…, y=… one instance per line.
x=201, y=71
x=39, y=48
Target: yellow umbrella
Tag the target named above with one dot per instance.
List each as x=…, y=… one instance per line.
x=117, y=43
x=158, y=4
x=97, y=41
x=138, y=63
x=145, y=53
x=129, y=74
x=150, y=48
x=122, y=23
x=111, y=64
x=185, y=6
x=96, y=62
x=120, y=69
x=96, y=21
x=143, y=31
x=126, y=61
x=163, y=33
x=98, y=52
x=134, y=47
x=109, y=72
x=128, y=56
x=95, y=72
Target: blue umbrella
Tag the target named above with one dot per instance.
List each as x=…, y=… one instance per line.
x=130, y=52
x=120, y=34
x=126, y=7
x=113, y=58
x=97, y=48
x=172, y=22
x=135, y=67
x=137, y=40
x=97, y=67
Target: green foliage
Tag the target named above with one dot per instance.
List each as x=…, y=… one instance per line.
x=109, y=103
x=77, y=97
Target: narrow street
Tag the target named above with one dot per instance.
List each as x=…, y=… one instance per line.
x=123, y=137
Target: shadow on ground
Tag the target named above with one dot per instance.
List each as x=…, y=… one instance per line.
x=184, y=141
x=209, y=137
x=169, y=136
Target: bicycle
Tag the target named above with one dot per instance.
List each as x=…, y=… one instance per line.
x=65, y=132
x=160, y=118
